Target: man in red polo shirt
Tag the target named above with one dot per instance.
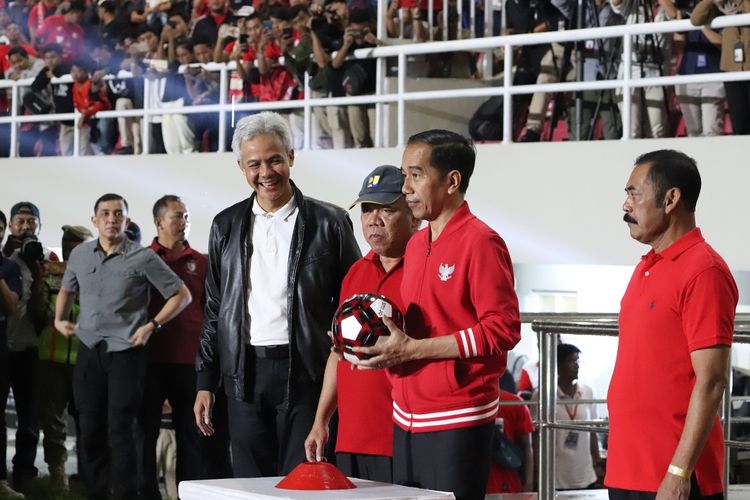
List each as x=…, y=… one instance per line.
x=462, y=318
x=365, y=432
x=676, y=325
x=171, y=358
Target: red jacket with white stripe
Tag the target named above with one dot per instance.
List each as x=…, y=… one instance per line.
x=461, y=284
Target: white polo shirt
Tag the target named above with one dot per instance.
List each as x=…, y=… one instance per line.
x=267, y=303
x=574, y=468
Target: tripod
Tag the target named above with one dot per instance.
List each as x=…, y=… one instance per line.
x=610, y=65
x=649, y=52
x=586, y=14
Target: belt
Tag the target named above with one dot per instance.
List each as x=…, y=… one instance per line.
x=272, y=351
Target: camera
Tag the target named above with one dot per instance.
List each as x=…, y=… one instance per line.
x=319, y=22
x=31, y=249
x=243, y=38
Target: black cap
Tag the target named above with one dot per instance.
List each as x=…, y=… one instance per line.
x=24, y=207
x=382, y=186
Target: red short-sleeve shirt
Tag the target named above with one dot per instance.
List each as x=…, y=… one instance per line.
x=678, y=301
x=364, y=396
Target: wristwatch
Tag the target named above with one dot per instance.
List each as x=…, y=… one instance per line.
x=157, y=325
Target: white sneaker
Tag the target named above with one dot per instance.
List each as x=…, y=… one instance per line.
x=7, y=492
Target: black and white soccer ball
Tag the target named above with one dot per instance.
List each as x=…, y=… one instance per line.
x=358, y=322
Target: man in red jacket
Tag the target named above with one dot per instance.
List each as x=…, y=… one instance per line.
x=461, y=319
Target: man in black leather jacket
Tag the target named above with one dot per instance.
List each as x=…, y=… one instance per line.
x=276, y=261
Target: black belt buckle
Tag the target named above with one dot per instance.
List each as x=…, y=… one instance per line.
x=272, y=351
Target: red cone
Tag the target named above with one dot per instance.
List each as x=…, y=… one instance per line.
x=315, y=476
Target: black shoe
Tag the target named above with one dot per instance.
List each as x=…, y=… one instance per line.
x=530, y=136
x=127, y=150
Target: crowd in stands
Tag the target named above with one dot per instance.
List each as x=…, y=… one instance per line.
x=111, y=47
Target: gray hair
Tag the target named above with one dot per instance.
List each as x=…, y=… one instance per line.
x=263, y=123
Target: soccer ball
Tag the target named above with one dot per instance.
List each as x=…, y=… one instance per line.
x=358, y=322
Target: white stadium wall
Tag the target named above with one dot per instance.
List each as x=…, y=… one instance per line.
x=556, y=203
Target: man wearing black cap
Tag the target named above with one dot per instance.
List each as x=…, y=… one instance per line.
x=461, y=317
x=363, y=398
x=23, y=330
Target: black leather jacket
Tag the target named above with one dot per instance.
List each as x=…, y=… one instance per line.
x=322, y=250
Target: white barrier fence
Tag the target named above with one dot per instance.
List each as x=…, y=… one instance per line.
x=401, y=96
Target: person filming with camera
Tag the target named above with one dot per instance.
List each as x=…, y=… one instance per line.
x=358, y=75
x=23, y=328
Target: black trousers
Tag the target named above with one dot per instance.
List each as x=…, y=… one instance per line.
x=267, y=437
x=372, y=467
x=217, y=460
x=695, y=493
x=22, y=376
x=108, y=391
x=738, y=97
x=454, y=460
x=175, y=382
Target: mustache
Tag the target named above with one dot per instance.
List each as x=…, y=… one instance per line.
x=630, y=220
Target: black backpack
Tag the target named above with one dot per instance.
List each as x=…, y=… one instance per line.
x=487, y=122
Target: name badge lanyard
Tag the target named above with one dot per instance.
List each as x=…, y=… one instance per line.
x=571, y=414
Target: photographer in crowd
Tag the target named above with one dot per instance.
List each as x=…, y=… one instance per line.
x=651, y=57
x=359, y=75
x=327, y=28
x=24, y=326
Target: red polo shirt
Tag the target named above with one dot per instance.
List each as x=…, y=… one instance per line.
x=678, y=301
x=364, y=396
x=177, y=342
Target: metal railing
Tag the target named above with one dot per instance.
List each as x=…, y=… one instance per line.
x=548, y=330
x=401, y=96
